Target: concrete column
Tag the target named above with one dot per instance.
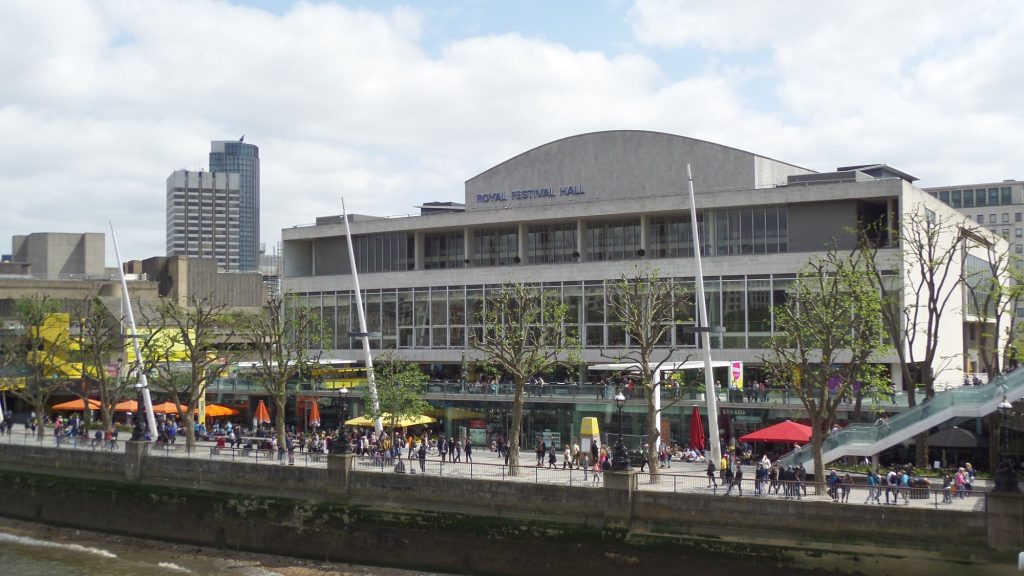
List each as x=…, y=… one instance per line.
x=619, y=486
x=1006, y=520
x=339, y=471
x=643, y=232
x=419, y=247
x=521, y=237
x=581, y=237
x=134, y=457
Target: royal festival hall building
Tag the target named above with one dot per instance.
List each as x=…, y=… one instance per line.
x=576, y=215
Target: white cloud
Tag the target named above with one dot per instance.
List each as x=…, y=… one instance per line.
x=102, y=100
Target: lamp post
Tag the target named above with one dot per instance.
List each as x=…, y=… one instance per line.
x=620, y=459
x=340, y=445
x=1005, y=477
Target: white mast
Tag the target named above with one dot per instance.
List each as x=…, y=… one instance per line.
x=143, y=384
x=363, y=334
x=704, y=327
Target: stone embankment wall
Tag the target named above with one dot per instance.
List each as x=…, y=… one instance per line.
x=476, y=526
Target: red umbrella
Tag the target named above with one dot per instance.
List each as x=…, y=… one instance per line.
x=697, y=438
x=789, y=432
x=314, y=416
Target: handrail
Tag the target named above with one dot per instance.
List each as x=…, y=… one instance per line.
x=867, y=439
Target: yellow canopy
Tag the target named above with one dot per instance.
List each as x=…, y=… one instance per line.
x=366, y=420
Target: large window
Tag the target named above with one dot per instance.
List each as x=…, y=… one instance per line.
x=498, y=247
x=383, y=252
x=613, y=239
x=443, y=250
x=754, y=230
x=551, y=243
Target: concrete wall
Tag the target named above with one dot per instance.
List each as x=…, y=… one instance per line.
x=478, y=526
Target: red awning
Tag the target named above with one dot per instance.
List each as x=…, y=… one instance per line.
x=788, y=431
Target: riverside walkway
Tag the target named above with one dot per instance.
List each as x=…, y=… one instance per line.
x=681, y=477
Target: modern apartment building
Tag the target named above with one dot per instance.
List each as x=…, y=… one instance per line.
x=203, y=216
x=243, y=159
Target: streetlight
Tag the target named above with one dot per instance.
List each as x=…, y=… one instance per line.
x=1005, y=477
x=340, y=444
x=620, y=460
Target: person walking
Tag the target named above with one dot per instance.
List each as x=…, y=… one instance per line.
x=421, y=453
x=711, y=476
x=469, y=450
x=736, y=479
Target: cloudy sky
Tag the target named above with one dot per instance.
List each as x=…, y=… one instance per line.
x=390, y=104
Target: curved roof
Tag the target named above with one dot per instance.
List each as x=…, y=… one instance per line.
x=623, y=163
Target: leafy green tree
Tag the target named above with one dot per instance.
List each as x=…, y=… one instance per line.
x=648, y=307
x=827, y=332
x=401, y=386
x=286, y=338
x=524, y=334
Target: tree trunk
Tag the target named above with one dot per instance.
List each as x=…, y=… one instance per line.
x=515, y=427
x=279, y=400
x=190, y=429
x=921, y=450
x=40, y=409
x=653, y=436
x=817, y=439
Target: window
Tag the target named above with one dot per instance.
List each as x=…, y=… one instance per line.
x=613, y=240
x=1006, y=217
x=443, y=250
x=944, y=196
x=1016, y=217
x=1018, y=232
x=979, y=197
x=993, y=196
x=1006, y=196
x=981, y=218
x=495, y=247
x=968, y=198
x=991, y=218
x=954, y=199
x=1006, y=233
x=551, y=244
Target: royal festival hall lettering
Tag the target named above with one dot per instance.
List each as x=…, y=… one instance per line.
x=538, y=194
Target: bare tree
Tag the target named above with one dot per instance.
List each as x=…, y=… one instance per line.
x=524, y=335
x=912, y=309
x=287, y=340
x=994, y=287
x=183, y=350
x=648, y=307
x=40, y=353
x=100, y=342
x=828, y=330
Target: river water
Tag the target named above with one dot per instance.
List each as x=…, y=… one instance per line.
x=28, y=549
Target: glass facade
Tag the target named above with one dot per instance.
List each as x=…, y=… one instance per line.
x=443, y=250
x=613, y=239
x=442, y=317
x=384, y=252
x=498, y=247
x=551, y=243
x=244, y=160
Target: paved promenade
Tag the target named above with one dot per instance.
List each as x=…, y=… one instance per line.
x=681, y=477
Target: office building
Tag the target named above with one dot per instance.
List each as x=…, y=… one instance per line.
x=203, y=216
x=243, y=159
x=61, y=255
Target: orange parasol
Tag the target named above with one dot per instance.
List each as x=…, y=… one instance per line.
x=168, y=408
x=218, y=411
x=127, y=406
x=262, y=415
x=314, y=416
x=78, y=405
